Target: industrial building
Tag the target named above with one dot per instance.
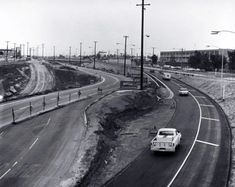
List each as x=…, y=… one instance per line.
x=181, y=57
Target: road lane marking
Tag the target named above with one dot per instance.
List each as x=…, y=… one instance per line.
x=208, y=143
x=33, y=144
x=14, y=164
x=186, y=158
x=198, y=96
x=22, y=108
x=210, y=119
x=171, y=93
x=48, y=121
x=5, y=173
x=207, y=105
x=53, y=99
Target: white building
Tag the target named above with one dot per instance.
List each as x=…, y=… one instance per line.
x=181, y=57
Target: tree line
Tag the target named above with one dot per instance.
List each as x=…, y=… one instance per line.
x=212, y=62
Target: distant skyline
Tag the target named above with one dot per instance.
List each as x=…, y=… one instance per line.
x=171, y=24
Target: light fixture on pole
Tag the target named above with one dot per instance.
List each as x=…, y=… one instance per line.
x=217, y=32
x=142, y=43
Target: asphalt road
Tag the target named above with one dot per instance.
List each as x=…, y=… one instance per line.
x=203, y=158
x=40, y=151
x=20, y=109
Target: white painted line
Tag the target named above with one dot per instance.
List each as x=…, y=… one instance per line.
x=171, y=93
x=198, y=96
x=33, y=144
x=14, y=164
x=5, y=173
x=208, y=143
x=1, y=133
x=152, y=79
x=207, y=105
x=48, y=121
x=53, y=99
x=199, y=126
x=22, y=108
x=210, y=119
x=85, y=118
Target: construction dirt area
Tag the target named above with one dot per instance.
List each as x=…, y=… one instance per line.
x=22, y=79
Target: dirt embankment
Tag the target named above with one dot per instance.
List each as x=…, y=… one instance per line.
x=66, y=77
x=18, y=83
x=123, y=119
x=14, y=78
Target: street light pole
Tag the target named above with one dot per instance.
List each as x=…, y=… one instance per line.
x=222, y=71
x=42, y=50
x=7, y=51
x=14, y=51
x=153, y=49
x=69, y=53
x=142, y=44
x=117, y=52
x=222, y=65
x=80, y=53
x=94, y=53
x=124, y=72
x=27, y=49
x=54, y=53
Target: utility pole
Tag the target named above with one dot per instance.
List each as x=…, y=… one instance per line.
x=117, y=52
x=14, y=51
x=42, y=50
x=142, y=44
x=7, y=51
x=23, y=50
x=69, y=53
x=20, y=51
x=94, y=54
x=153, y=49
x=27, y=48
x=124, y=73
x=80, y=53
x=54, y=53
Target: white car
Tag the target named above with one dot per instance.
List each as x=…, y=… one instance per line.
x=183, y=91
x=166, y=76
x=166, y=140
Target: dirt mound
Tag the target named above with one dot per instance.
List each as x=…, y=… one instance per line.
x=111, y=115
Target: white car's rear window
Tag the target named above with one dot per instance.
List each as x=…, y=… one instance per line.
x=166, y=133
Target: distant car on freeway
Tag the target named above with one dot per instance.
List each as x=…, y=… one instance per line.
x=166, y=140
x=183, y=91
x=1, y=98
x=166, y=76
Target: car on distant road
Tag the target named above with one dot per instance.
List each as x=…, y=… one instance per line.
x=166, y=76
x=166, y=140
x=183, y=91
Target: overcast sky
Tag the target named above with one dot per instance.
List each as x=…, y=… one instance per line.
x=63, y=23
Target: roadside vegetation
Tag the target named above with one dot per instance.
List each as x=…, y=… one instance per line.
x=212, y=62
